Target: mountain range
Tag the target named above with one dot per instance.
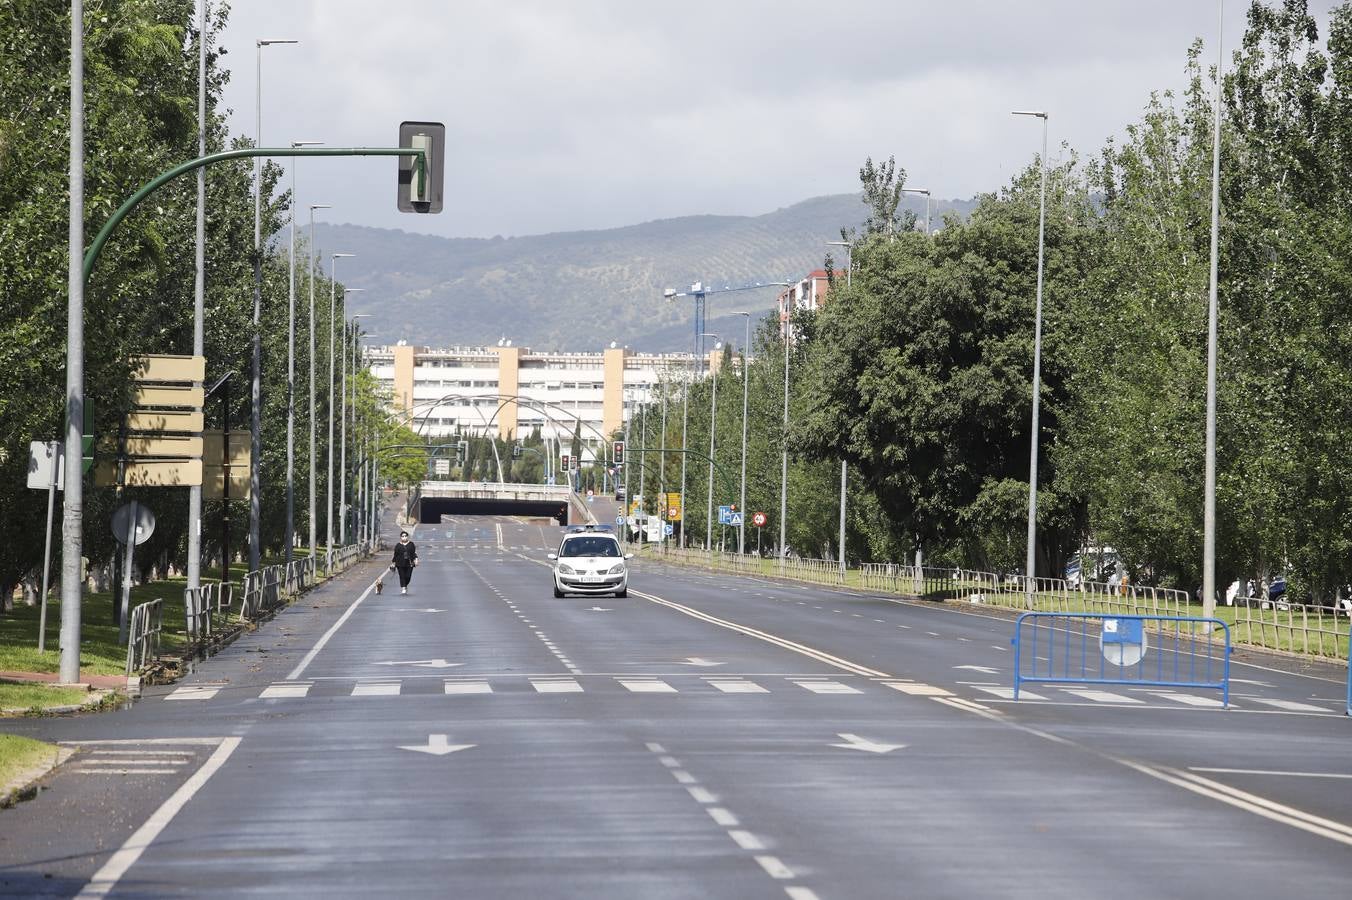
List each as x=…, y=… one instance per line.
x=581, y=290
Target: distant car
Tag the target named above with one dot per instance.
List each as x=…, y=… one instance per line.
x=619, y=492
x=590, y=562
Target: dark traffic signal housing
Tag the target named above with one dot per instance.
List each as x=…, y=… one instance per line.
x=422, y=195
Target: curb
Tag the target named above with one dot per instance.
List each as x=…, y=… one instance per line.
x=25, y=786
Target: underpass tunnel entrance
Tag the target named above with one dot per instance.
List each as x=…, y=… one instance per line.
x=431, y=509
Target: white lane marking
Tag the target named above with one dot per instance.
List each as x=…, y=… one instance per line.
x=375, y=689
x=1290, y=705
x=818, y=655
x=300, y=668
x=918, y=690
x=107, y=877
x=155, y=761
x=800, y=893
x=187, y=742
x=684, y=777
x=1188, y=699
x=1259, y=806
x=827, y=687
x=669, y=761
x=746, y=840
x=556, y=686
x=655, y=748
x=722, y=816
x=1008, y=693
x=774, y=868
x=1269, y=772
x=282, y=691
x=1101, y=696
x=700, y=795
x=79, y=770
x=468, y=687
x=647, y=685
x=737, y=686
x=195, y=692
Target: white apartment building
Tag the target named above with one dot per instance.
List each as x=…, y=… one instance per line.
x=513, y=390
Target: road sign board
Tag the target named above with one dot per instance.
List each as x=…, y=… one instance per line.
x=213, y=483
x=169, y=395
x=46, y=464
x=151, y=473
x=619, y=520
x=668, y=529
x=154, y=420
x=759, y=519
x=724, y=515
x=166, y=367
x=735, y=519
x=213, y=448
x=134, y=519
x=165, y=446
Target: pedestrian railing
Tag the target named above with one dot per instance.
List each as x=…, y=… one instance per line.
x=143, y=634
x=1134, y=650
x=1290, y=626
x=205, y=609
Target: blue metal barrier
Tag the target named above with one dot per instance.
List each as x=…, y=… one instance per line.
x=1104, y=648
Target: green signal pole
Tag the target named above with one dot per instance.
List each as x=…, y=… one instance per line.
x=72, y=540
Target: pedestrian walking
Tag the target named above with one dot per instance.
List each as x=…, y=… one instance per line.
x=405, y=558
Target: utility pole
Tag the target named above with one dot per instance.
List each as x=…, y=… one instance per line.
x=199, y=286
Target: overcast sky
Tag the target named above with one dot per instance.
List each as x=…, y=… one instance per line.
x=579, y=114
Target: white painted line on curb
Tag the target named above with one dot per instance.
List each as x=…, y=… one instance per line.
x=107, y=877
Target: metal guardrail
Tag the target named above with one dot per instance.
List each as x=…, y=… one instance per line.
x=203, y=606
x=1290, y=626
x=1137, y=650
x=143, y=634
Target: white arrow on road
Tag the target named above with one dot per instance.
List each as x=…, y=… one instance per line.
x=984, y=670
x=699, y=661
x=422, y=663
x=855, y=742
x=436, y=745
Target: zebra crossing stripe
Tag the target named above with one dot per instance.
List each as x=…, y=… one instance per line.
x=195, y=692
x=284, y=690
x=468, y=687
x=556, y=686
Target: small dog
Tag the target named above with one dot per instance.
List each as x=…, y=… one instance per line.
x=380, y=585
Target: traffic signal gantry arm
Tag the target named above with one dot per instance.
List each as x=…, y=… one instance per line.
x=96, y=247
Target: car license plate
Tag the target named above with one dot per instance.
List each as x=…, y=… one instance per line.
x=591, y=579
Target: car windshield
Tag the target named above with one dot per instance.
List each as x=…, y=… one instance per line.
x=590, y=546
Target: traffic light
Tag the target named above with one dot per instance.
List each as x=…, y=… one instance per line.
x=516, y=451
x=619, y=453
x=564, y=462
x=422, y=192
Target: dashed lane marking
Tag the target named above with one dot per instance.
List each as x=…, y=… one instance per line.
x=468, y=687
x=827, y=687
x=376, y=689
x=285, y=691
x=1289, y=705
x=556, y=686
x=647, y=685
x=195, y=692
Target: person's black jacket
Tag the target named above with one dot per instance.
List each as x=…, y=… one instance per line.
x=405, y=555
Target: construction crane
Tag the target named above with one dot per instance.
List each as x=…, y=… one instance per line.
x=700, y=292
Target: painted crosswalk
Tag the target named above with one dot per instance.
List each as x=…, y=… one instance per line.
x=718, y=685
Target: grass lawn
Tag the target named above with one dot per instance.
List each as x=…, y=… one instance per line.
x=20, y=753
x=39, y=696
x=100, y=653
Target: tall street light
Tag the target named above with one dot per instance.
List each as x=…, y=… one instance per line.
x=746, y=382
x=342, y=442
x=291, y=367
x=713, y=430
x=784, y=445
x=927, y=204
x=314, y=519
x=849, y=267
x=328, y=482
x=256, y=388
x=1209, y=512
x=1030, y=582
x=198, y=294
x=845, y=466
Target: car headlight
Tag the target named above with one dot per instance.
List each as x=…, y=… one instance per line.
x=566, y=570
x=617, y=569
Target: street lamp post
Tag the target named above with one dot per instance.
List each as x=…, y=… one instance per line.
x=194, y=572
x=713, y=430
x=849, y=267
x=927, y=204
x=1209, y=503
x=291, y=367
x=314, y=520
x=328, y=481
x=342, y=441
x=784, y=449
x=1030, y=582
x=256, y=383
x=746, y=388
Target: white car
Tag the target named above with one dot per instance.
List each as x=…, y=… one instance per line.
x=590, y=562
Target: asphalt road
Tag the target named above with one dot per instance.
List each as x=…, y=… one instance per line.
x=707, y=737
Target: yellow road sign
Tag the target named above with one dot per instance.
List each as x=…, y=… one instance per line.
x=164, y=367
x=165, y=446
x=155, y=421
x=151, y=473
x=213, y=448
x=169, y=395
x=213, y=486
